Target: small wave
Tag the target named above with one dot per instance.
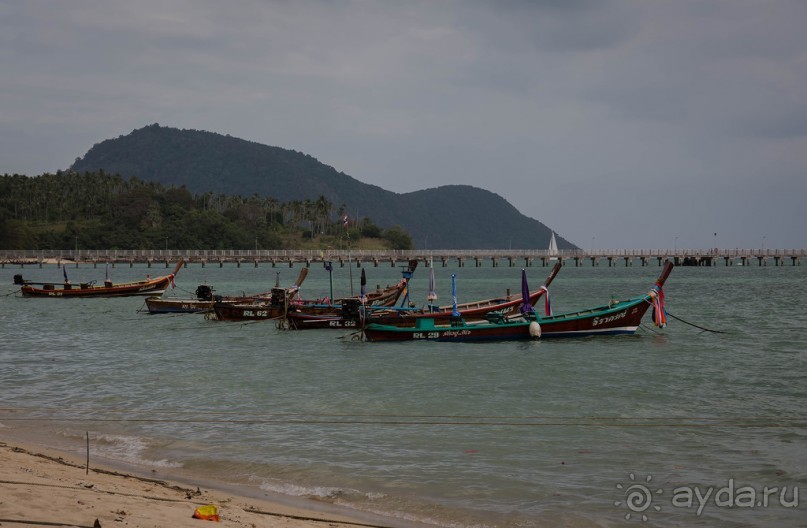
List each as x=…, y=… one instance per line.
x=127, y=449
x=331, y=494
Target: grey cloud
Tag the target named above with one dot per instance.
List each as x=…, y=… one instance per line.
x=574, y=110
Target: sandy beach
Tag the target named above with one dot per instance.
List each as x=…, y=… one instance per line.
x=40, y=487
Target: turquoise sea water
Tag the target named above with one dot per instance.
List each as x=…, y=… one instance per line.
x=494, y=434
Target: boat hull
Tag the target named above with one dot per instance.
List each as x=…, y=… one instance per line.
x=247, y=312
x=148, y=287
x=305, y=321
x=157, y=305
x=621, y=318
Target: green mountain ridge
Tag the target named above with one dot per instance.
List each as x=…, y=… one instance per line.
x=445, y=217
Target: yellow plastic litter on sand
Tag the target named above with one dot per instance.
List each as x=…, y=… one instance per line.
x=207, y=513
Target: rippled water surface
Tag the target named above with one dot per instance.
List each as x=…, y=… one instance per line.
x=495, y=434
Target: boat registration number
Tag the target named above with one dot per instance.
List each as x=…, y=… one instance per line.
x=425, y=335
x=256, y=313
x=343, y=324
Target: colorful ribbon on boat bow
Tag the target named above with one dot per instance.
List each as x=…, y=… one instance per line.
x=659, y=312
x=547, y=302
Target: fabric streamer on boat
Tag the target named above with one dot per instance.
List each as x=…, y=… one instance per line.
x=547, y=302
x=659, y=312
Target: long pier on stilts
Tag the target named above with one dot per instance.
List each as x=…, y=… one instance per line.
x=447, y=257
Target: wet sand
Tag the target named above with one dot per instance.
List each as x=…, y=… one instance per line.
x=42, y=487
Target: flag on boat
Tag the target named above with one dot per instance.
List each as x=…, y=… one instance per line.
x=363, y=296
x=526, y=307
x=344, y=221
x=64, y=271
x=432, y=296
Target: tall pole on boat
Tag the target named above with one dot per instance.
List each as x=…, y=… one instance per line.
x=454, y=311
x=329, y=267
x=407, y=273
x=432, y=296
x=349, y=265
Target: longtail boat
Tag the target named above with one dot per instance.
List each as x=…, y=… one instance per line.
x=148, y=286
x=351, y=316
x=204, y=300
x=345, y=313
x=165, y=305
x=617, y=317
x=279, y=306
x=470, y=311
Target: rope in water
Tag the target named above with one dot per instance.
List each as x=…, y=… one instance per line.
x=668, y=422
x=696, y=326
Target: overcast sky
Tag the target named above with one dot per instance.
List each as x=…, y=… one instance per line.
x=619, y=124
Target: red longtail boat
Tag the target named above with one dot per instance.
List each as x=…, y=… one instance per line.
x=148, y=286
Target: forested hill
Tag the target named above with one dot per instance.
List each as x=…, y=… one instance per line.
x=456, y=216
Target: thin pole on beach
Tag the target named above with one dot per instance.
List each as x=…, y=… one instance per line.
x=87, y=472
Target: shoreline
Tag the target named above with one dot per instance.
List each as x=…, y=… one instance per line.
x=46, y=486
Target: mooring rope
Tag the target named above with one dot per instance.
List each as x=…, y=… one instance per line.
x=696, y=326
x=478, y=421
